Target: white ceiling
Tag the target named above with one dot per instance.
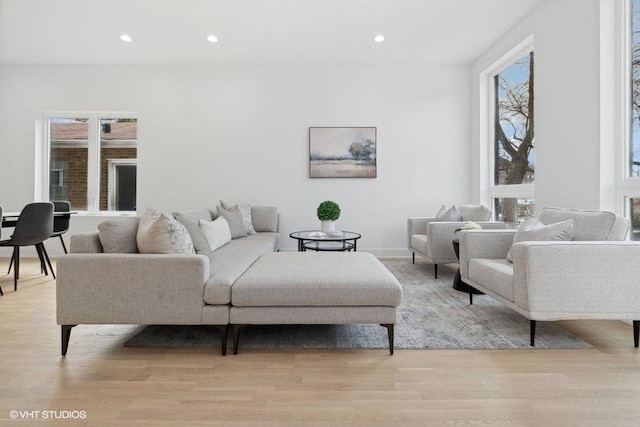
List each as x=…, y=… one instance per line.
x=253, y=31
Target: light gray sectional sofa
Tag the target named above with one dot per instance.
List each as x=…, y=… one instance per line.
x=593, y=276
x=94, y=287
x=242, y=283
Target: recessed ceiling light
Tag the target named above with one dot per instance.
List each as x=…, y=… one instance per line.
x=126, y=38
x=379, y=38
x=212, y=38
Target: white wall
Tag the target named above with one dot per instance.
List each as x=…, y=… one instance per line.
x=567, y=102
x=240, y=133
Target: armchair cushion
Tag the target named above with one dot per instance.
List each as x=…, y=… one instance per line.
x=532, y=230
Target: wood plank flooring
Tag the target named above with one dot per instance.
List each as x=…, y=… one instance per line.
x=115, y=385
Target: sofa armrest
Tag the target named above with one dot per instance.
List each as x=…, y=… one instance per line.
x=492, y=244
x=556, y=280
x=86, y=243
x=131, y=288
x=417, y=225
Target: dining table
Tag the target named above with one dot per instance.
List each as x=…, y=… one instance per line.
x=9, y=219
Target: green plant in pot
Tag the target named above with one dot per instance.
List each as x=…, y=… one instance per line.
x=328, y=212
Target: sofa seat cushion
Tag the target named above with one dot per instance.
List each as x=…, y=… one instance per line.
x=231, y=260
x=494, y=274
x=419, y=242
x=316, y=279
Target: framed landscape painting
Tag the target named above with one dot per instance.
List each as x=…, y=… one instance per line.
x=342, y=152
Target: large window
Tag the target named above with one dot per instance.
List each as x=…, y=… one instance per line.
x=634, y=149
x=511, y=134
x=91, y=161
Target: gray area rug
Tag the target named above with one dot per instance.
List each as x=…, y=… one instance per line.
x=432, y=316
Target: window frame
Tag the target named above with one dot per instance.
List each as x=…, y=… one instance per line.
x=489, y=190
x=93, y=154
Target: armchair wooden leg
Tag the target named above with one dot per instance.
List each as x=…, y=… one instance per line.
x=636, y=332
x=532, y=332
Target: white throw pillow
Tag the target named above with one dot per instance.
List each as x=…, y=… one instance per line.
x=161, y=234
x=532, y=230
x=217, y=232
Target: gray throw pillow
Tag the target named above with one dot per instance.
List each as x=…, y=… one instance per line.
x=118, y=235
x=441, y=211
x=245, y=213
x=235, y=222
x=190, y=219
x=452, y=214
x=532, y=230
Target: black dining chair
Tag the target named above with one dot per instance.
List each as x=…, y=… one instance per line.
x=33, y=227
x=61, y=222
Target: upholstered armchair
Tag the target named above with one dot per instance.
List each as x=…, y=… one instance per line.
x=432, y=237
x=595, y=275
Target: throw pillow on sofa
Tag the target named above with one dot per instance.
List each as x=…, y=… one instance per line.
x=161, y=234
x=190, y=220
x=532, y=230
x=451, y=214
x=217, y=232
x=235, y=222
x=118, y=235
x=245, y=213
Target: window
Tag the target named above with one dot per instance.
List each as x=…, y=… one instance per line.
x=510, y=139
x=84, y=156
x=634, y=149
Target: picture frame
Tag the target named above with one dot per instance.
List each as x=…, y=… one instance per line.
x=343, y=152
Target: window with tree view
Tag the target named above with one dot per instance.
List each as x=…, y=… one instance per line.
x=513, y=142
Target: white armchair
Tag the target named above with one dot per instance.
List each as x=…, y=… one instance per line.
x=432, y=239
x=594, y=276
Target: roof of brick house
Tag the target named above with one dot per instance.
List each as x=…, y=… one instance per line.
x=80, y=131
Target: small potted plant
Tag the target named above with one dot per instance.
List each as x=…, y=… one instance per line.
x=328, y=212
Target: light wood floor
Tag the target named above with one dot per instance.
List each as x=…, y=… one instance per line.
x=115, y=385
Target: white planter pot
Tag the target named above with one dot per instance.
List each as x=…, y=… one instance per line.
x=327, y=226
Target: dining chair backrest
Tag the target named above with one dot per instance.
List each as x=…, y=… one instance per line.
x=34, y=225
x=61, y=223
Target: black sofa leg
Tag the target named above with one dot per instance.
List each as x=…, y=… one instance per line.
x=390, y=328
x=636, y=332
x=413, y=257
x=470, y=295
x=532, y=332
x=224, y=332
x=66, y=334
x=435, y=271
x=236, y=336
